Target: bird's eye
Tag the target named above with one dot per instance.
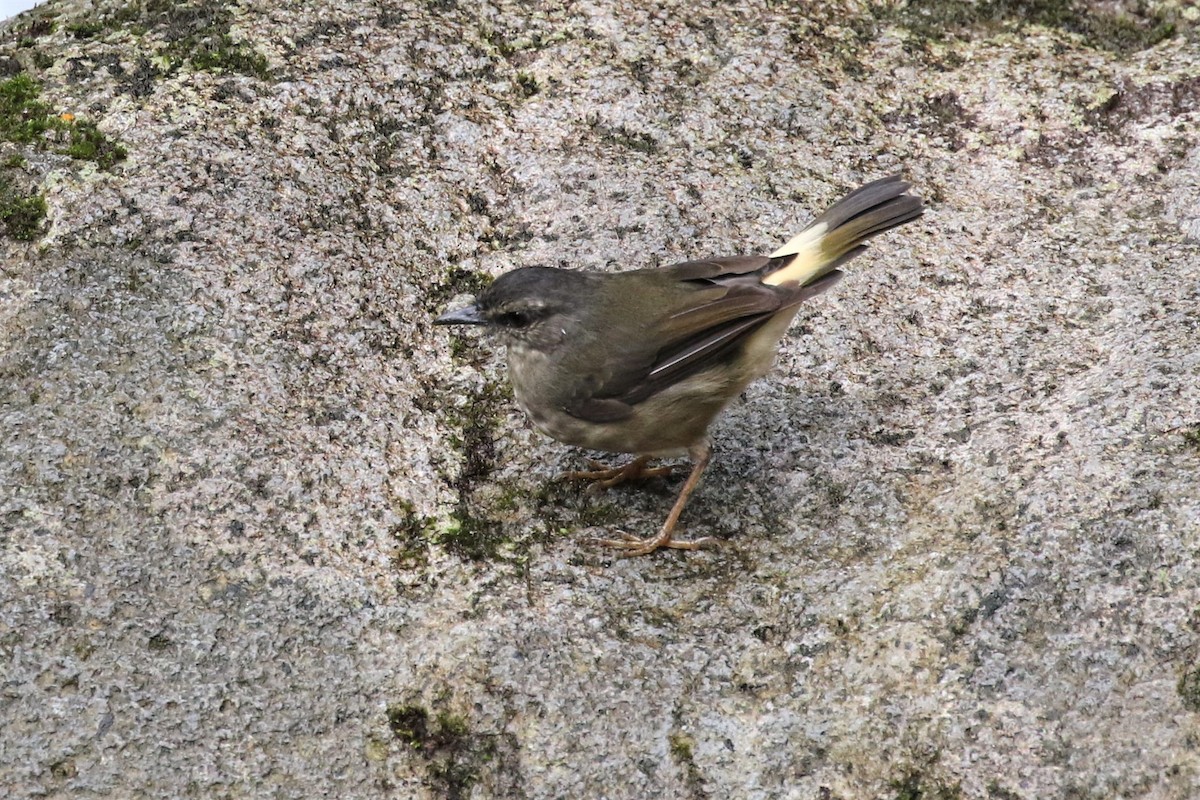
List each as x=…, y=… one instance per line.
x=515, y=319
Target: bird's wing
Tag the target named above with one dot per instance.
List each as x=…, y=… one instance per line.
x=713, y=306
x=701, y=335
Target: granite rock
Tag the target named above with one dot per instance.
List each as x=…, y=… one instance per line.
x=265, y=532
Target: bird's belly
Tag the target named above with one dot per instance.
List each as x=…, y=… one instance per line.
x=665, y=424
x=650, y=430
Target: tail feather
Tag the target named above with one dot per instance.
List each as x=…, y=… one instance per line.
x=838, y=235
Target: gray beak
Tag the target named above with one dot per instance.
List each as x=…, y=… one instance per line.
x=462, y=316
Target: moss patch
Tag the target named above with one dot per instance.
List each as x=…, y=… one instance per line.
x=623, y=137
x=937, y=20
x=917, y=786
x=20, y=215
x=487, y=515
x=199, y=33
x=454, y=755
x=472, y=532
x=25, y=119
x=471, y=535
x=940, y=115
x=1189, y=689
x=412, y=536
x=681, y=747
x=84, y=29
x=456, y=281
x=508, y=44
x=409, y=724
x=86, y=143
x=196, y=32
x=1191, y=436
x=527, y=84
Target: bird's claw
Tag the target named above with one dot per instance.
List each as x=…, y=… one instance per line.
x=606, y=477
x=629, y=545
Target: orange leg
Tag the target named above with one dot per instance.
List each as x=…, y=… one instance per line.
x=633, y=546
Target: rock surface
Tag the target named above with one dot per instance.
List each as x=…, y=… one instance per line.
x=267, y=533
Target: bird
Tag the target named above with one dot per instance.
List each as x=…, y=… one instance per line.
x=642, y=361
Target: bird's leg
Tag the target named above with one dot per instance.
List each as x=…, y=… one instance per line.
x=604, y=477
x=633, y=546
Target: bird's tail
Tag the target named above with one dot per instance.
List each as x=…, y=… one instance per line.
x=839, y=234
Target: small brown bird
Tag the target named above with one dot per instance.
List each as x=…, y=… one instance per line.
x=642, y=362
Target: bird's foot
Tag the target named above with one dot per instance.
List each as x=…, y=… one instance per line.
x=629, y=545
x=605, y=477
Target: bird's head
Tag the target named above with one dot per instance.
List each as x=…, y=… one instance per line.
x=533, y=307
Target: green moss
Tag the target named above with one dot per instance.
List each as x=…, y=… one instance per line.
x=450, y=726
x=935, y=20
x=225, y=55
x=199, y=32
x=456, y=777
x=42, y=60
x=196, y=32
x=414, y=726
x=478, y=436
x=455, y=282
x=1191, y=436
x=487, y=516
x=25, y=119
x=499, y=42
x=681, y=747
x=413, y=534
x=462, y=348
x=471, y=536
x=527, y=84
x=683, y=752
x=453, y=754
x=916, y=786
x=87, y=143
x=21, y=215
x=85, y=29
x=473, y=531
x=507, y=46
x=1189, y=689
x=1122, y=34
x=409, y=724
x=621, y=136
x=159, y=642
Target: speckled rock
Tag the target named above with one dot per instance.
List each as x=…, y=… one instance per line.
x=265, y=532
